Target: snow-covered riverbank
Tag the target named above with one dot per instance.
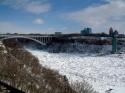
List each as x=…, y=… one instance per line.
x=102, y=72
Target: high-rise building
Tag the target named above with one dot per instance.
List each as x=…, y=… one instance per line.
x=111, y=31
x=86, y=31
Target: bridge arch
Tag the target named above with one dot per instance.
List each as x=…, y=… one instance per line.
x=23, y=37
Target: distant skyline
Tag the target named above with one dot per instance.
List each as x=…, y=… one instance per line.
x=66, y=16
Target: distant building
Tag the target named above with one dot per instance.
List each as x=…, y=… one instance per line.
x=86, y=31
x=15, y=33
x=116, y=32
x=111, y=31
x=58, y=33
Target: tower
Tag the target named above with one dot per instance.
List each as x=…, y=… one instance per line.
x=111, y=31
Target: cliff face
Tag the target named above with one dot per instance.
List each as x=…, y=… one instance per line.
x=21, y=69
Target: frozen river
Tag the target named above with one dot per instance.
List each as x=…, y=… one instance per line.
x=102, y=72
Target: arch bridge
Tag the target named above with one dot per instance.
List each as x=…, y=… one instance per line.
x=45, y=39
x=41, y=39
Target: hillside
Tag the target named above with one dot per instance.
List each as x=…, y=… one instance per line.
x=21, y=69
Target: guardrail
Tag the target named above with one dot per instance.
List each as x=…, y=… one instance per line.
x=10, y=88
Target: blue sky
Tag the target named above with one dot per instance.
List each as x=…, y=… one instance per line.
x=67, y=16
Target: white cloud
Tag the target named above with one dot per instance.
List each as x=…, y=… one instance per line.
x=38, y=21
x=102, y=17
x=32, y=6
x=37, y=8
